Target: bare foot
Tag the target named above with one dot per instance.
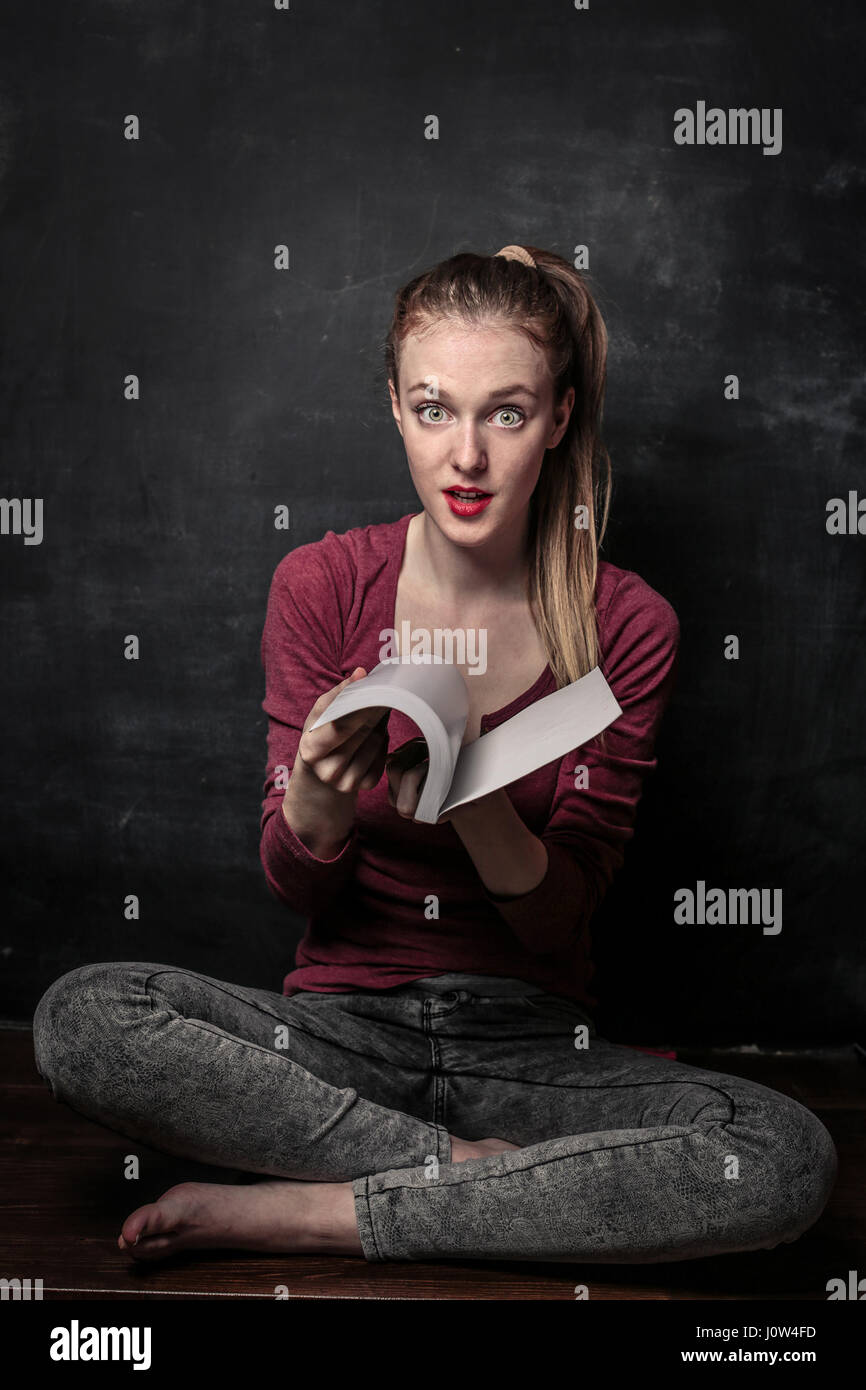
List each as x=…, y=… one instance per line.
x=461, y=1149
x=280, y=1216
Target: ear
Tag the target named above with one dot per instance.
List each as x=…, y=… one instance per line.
x=562, y=415
x=395, y=405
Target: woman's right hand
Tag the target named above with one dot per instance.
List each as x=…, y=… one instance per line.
x=333, y=763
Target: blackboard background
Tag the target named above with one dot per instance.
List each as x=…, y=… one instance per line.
x=260, y=387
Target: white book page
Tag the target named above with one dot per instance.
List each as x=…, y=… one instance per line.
x=430, y=692
x=546, y=730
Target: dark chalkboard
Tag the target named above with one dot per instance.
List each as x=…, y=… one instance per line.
x=154, y=257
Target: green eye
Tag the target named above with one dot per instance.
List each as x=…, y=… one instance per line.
x=426, y=406
x=515, y=415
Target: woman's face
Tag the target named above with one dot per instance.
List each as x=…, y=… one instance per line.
x=476, y=412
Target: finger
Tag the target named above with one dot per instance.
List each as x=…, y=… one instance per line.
x=410, y=790
x=361, y=719
x=395, y=775
x=408, y=754
x=373, y=775
x=348, y=721
x=329, y=761
x=327, y=696
x=365, y=769
x=345, y=725
x=332, y=758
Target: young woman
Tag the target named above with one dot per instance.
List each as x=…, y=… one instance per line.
x=430, y=1082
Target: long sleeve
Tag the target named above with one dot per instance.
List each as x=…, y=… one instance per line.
x=301, y=654
x=592, y=814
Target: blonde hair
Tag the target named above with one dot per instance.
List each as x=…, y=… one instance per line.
x=552, y=304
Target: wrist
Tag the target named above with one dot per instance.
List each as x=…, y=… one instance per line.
x=474, y=814
x=321, y=818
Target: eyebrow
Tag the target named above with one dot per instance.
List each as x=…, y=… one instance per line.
x=516, y=390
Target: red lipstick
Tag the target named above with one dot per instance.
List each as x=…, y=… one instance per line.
x=472, y=501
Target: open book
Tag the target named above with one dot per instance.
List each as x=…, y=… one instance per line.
x=432, y=693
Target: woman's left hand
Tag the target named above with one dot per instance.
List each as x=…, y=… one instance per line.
x=406, y=769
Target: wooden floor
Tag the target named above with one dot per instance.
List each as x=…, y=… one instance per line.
x=63, y=1199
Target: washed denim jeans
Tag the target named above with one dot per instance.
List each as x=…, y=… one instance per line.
x=625, y=1157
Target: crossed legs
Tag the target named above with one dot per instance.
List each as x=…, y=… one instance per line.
x=347, y=1107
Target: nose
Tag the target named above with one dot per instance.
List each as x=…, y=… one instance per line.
x=469, y=455
x=469, y=462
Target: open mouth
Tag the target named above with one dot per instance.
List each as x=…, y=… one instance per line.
x=466, y=502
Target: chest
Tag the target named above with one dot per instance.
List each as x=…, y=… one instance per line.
x=500, y=655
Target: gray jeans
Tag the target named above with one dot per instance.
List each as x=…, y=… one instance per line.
x=625, y=1157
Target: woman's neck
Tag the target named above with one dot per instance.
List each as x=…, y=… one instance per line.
x=459, y=574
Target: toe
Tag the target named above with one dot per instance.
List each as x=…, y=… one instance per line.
x=146, y=1220
x=155, y=1247
x=132, y=1227
x=160, y=1218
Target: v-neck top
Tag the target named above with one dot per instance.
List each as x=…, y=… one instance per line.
x=403, y=900
x=544, y=685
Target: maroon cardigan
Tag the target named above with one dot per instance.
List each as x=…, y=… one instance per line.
x=403, y=900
